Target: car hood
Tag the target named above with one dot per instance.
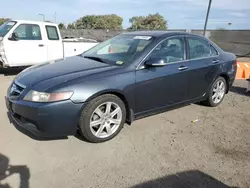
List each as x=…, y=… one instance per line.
x=77, y=66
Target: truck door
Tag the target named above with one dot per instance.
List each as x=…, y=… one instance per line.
x=27, y=47
x=54, y=42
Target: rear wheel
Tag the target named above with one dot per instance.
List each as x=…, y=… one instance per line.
x=102, y=118
x=217, y=92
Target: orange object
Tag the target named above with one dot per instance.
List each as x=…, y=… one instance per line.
x=243, y=70
x=243, y=75
x=247, y=70
x=240, y=72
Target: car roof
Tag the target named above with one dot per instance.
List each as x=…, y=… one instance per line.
x=159, y=33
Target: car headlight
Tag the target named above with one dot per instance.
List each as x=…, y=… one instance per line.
x=36, y=96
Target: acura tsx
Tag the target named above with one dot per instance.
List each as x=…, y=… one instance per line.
x=129, y=76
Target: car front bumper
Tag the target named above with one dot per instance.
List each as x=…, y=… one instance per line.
x=45, y=119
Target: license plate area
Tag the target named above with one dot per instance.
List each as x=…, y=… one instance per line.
x=11, y=106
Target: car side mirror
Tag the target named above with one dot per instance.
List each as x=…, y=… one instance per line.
x=155, y=62
x=14, y=37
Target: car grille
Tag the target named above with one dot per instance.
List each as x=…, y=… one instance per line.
x=15, y=90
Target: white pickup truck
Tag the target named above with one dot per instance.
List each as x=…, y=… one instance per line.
x=24, y=43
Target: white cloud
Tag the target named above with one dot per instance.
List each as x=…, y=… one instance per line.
x=238, y=14
x=231, y=4
x=221, y=4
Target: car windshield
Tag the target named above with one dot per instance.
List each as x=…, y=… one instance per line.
x=120, y=50
x=4, y=29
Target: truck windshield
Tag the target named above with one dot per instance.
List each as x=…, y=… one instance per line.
x=4, y=29
x=120, y=50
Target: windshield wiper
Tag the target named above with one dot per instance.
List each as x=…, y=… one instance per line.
x=95, y=58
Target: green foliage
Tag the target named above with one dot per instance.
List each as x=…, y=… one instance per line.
x=71, y=26
x=111, y=21
x=61, y=26
x=150, y=22
x=2, y=20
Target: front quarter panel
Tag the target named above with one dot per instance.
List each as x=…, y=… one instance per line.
x=89, y=88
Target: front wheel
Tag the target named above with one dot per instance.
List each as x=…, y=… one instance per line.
x=217, y=92
x=102, y=118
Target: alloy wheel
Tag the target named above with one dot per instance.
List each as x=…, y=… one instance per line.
x=105, y=120
x=218, y=91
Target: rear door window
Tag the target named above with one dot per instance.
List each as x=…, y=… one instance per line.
x=199, y=48
x=52, y=32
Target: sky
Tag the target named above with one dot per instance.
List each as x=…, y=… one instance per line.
x=180, y=14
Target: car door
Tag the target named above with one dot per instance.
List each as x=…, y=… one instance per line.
x=55, y=45
x=158, y=87
x=203, y=66
x=28, y=47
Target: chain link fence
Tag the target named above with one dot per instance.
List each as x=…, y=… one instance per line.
x=235, y=41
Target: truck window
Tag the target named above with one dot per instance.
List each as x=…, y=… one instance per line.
x=4, y=29
x=28, y=32
x=52, y=32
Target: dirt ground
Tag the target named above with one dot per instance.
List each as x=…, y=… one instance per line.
x=164, y=150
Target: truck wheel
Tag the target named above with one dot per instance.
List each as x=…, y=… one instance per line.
x=216, y=93
x=103, y=118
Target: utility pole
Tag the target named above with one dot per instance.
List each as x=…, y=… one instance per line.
x=42, y=16
x=208, y=10
x=55, y=17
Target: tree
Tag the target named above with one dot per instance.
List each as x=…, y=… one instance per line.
x=111, y=21
x=150, y=22
x=2, y=20
x=71, y=26
x=61, y=26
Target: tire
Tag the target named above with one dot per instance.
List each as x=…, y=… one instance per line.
x=102, y=131
x=210, y=101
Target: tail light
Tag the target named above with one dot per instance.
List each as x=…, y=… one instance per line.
x=235, y=63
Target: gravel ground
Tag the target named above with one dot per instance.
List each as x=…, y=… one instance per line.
x=164, y=150
x=244, y=59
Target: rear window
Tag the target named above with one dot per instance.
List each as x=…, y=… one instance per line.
x=52, y=32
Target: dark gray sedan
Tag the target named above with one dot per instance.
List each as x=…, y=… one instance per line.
x=129, y=76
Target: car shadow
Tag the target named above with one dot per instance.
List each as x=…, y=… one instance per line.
x=11, y=71
x=7, y=170
x=188, y=179
x=161, y=111
x=81, y=138
x=31, y=135
x=239, y=90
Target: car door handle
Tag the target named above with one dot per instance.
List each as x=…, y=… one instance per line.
x=41, y=45
x=215, y=61
x=182, y=68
